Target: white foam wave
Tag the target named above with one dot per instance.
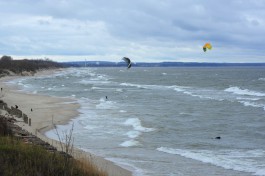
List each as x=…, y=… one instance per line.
x=196, y=92
x=145, y=86
x=247, y=98
x=239, y=91
x=93, y=81
x=261, y=79
x=247, y=103
x=136, y=123
x=133, y=134
x=239, y=160
x=130, y=143
x=133, y=85
x=106, y=104
x=177, y=88
x=101, y=77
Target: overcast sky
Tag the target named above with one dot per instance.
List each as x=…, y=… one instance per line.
x=144, y=30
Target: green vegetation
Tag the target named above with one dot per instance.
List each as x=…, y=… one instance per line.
x=19, y=159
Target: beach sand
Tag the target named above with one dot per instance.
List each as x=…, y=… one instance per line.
x=46, y=111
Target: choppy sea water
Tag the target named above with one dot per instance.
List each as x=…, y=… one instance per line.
x=164, y=121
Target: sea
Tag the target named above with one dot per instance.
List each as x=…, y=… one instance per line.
x=158, y=121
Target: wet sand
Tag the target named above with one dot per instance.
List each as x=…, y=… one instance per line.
x=47, y=111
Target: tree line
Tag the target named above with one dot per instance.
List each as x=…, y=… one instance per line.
x=19, y=66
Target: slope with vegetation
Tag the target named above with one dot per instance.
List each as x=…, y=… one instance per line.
x=8, y=66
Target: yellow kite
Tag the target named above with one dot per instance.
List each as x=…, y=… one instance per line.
x=207, y=46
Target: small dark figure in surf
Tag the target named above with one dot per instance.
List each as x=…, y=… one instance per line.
x=16, y=106
x=106, y=97
x=218, y=137
x=1, y=89
x=31, y=109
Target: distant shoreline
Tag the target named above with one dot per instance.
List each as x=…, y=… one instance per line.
x=158, y=64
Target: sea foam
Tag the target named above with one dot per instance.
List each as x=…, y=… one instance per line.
x=239, y=91
x=138, y=129
x=130, y=143
x=136, y=123
x=239, y=160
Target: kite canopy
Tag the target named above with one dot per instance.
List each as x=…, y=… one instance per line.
x=207, y=46
x=128, y=61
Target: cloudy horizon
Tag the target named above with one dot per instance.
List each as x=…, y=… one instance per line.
x=144, y=30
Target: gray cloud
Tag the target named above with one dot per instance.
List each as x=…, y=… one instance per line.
x=143, y=29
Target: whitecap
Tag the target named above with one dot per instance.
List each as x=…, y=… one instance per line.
x=247, y=98
x=106, y=104
x=143, y=86
x=136, y=124
x=239, y=160
x=132, y=85
x=130, y=143
x=247, y=103
x=133, y=134
x=239, y=91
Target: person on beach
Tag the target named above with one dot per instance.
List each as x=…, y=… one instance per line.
x=106, y=97
x=1, y=89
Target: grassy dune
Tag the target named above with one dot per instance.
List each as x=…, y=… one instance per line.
x=18, y=158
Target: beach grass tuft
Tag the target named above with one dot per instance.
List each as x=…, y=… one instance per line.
x=20, y=159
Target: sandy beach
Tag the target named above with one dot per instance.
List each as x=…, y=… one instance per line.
x=44, y=111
